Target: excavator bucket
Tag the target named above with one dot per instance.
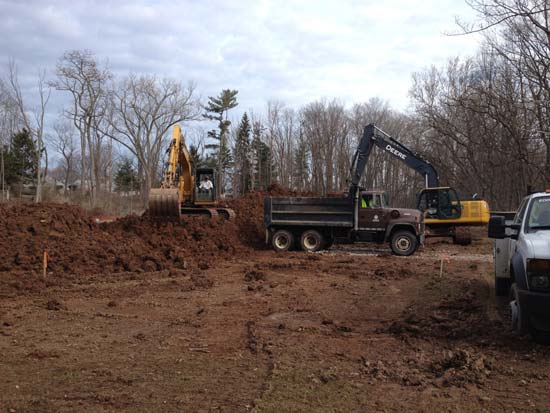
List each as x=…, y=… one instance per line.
x=164, y=203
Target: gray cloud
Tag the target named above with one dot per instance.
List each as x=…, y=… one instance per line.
x=294, y=51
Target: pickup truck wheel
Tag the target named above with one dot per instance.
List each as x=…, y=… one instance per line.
x=502, y=286
x=403, y=243
x=282, y=240
x=311, y=241
x=540, y=336
x=518, y=318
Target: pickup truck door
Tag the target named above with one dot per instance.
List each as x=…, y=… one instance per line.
x=505, y=248
x=501, y=254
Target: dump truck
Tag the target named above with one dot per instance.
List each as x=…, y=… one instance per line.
x=315, y=223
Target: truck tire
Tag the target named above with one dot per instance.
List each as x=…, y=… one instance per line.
x=518, y=318
x=311, y=241
x=329, y=242
x=403, y=243
x=282, y=240
x=502, y=286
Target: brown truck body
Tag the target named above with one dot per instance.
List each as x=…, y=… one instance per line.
x=315, y=223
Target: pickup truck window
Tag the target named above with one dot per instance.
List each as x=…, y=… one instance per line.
x=539, y=214
x=518, y=219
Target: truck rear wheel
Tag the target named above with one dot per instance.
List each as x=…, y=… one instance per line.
x=403, y=243
x=311, y=241
x=282, y=240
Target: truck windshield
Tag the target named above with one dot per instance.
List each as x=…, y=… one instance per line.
x=539, y=214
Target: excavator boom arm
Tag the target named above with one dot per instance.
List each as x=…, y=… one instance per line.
x=375, y=136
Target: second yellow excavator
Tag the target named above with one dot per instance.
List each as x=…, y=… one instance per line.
x=184, y=189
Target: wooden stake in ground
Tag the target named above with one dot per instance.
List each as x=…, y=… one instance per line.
x=45, y=263
x=444, y=257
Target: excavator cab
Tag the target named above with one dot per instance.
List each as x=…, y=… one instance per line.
x=439, y=203
x=205, y=186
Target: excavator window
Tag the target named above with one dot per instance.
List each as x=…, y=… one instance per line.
x=440, y=203
x=205, y=189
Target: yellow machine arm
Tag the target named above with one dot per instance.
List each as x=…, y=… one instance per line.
x=178, y=173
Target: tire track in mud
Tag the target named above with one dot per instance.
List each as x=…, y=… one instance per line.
x=418, y=256
x=252, y=343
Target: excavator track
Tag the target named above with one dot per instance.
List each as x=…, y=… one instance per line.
x=211, y=212
x=164, y=204
x=227, y=213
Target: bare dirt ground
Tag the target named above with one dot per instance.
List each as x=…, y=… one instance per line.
x=207, y=323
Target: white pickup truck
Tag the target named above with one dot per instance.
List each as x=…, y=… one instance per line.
x=522, y=264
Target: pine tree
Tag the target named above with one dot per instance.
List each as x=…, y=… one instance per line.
x=126, y=177
x=242, y=156
x=217, y=109
x=197, y=159
x=20, y=161
x=263, y=167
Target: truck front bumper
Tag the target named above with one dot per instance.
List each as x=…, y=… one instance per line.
x=537, y=307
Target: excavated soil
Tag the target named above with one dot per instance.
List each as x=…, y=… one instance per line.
x=155, y=317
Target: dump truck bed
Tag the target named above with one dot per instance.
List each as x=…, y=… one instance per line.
x=308, y=211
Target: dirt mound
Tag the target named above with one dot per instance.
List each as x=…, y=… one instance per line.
x=250, y=213
x=76, y=245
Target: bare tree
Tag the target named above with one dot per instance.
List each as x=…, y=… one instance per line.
x=325, y=127
x=143, y=109
x=282, y=132
x=38, y=113
x=79, y=74
x=64, y=143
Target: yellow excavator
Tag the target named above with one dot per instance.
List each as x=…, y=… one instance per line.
x=445, y=214
x=185, y=190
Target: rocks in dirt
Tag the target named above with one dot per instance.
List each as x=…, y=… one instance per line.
x=251, y=339
x=201, y=281
x=344, y=328
x=253, y=275
x=55, y=305
x=454, y=368
x=460, y=367
x=41, y=354
x=458, y=316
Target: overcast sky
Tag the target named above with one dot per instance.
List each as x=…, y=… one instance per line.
x=293, y=51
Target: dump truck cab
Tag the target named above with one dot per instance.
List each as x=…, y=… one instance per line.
x=378, y=221
x=522, y=264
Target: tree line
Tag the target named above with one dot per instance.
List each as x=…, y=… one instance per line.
x=482, y=121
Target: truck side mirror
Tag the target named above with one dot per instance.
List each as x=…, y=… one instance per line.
x=515, y=233
x=497, y=227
